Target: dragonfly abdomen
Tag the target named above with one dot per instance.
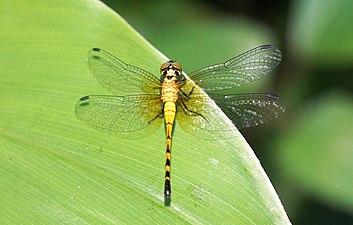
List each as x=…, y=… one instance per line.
x=169, y=115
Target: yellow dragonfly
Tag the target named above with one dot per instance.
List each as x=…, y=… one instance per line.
x=176, y=96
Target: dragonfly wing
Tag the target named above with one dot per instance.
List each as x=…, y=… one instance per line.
x=247, y=110
x=124, y=115
x=117, y=76
x=240, y=70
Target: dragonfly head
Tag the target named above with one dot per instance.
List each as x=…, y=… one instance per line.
x=170, y=65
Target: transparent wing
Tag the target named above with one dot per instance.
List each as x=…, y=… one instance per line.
x=247, y=110
x=240, y=70
x=117, y=76
x=124, y=114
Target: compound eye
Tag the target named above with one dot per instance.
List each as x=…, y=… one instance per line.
x=164, y=66
x=177, y=66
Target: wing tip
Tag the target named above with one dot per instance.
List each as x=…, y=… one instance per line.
x=266, y=46
x=273, y=96
x=84, y=101
x=84, y=98
x=275, y=52
x=94, y=53
x=279, y=100
x=269, y=46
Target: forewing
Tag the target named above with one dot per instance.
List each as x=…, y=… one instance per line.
x=240, y=70
x=247, y=110
x=117, y=76
x=123, y=115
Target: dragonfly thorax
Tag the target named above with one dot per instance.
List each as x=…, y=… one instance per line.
x=170, y=85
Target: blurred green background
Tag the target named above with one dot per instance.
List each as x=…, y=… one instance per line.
x=308, y=152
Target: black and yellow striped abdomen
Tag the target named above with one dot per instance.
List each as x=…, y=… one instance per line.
x=169, y=115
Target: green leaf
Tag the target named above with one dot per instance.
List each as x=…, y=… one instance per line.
x=317, y=150
x=55, y=169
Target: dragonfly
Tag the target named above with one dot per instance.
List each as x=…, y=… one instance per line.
x=175, y=96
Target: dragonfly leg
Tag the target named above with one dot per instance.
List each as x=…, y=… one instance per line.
x=160, y=115
x=190, y=112
x=182, y=83
x=188, y=95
